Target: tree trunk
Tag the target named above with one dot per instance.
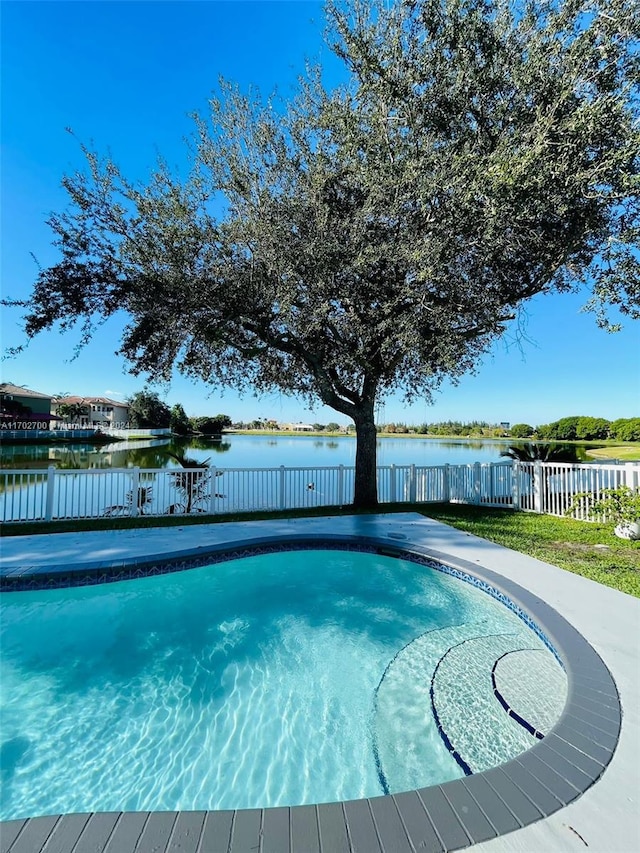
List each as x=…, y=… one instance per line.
x=366, y=487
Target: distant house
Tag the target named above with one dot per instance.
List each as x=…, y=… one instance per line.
x=300, y=427
x=96, y=411
x=21, y=408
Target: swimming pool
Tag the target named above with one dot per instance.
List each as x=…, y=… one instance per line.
x=274, y=679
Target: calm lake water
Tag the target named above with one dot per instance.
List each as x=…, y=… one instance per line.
x=247, y=451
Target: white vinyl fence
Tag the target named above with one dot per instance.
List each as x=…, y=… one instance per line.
x=69, y=494
x=550, y=486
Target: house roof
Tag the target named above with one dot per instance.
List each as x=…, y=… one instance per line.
x=21, y=391
x=90, y=401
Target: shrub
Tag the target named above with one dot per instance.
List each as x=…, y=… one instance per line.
x=211, y=426
x=621, y=505
x=521, y=431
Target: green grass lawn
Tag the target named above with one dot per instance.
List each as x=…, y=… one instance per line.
x=587, y=549
x=631, y=452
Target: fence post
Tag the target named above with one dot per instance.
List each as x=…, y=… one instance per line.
x=515, y=484
x=392, y=484
x=537, y=486
x=477, y=483
x=412, y=484
x=51, y=477
x=135, y=485
x=446, y=489
x=631, y=475
x=340, y=485
x=490, y=468
x=281, y=487
x=212, y=499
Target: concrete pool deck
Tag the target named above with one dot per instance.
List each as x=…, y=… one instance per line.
x=603, y=819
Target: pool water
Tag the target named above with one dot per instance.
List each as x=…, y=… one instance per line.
x=287, y=678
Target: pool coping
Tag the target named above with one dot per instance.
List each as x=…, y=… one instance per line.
x=552, y=774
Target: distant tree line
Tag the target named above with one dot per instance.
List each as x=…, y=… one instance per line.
x=147, y=410
x=447, y=428
x=271, y=424
x=573, y=428
x=581, y=428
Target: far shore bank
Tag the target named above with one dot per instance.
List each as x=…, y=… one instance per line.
x=605, y=443
x=606, y=449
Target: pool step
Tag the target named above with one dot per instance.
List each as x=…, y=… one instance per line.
x=516, y=679
x=404, y=729
x=458, y=697
x=470, y=716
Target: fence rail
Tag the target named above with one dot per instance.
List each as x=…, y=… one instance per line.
x=69, y=494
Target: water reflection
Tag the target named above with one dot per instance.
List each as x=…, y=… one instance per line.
x=476, y=443
x=215, y=445
x=38, y=456
x=247, y=451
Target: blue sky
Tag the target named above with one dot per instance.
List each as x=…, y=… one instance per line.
x=125, y=76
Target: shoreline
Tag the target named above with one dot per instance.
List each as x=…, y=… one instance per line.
x=605, y=443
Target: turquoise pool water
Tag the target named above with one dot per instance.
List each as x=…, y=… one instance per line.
x=280, y=679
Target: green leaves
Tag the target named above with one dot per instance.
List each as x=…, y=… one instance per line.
x=522, y=132
x=146, y=409
x=620, y=505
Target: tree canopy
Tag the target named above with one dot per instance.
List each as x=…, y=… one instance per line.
x=211, y=425
x=626, y=429
x=179, y=421
x=378, y=237
x=522, y=431
x=586, y=428
x=146, y=409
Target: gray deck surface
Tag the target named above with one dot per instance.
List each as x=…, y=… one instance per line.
x=577, y=789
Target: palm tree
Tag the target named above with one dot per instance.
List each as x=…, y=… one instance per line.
x=72, y=412
x=192, y=483
x=141, y=498
x=532, y=452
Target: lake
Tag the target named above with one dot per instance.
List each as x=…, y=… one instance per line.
x=248, y=451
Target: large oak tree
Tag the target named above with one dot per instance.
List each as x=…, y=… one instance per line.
x=379, y=237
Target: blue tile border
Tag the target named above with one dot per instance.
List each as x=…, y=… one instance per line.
x=571, y=758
